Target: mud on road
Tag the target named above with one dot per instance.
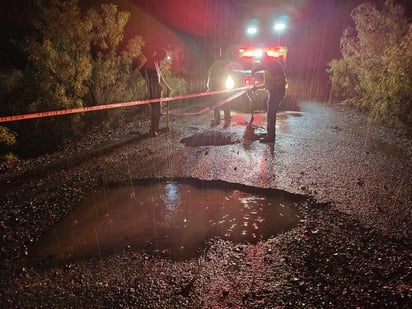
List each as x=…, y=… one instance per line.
x=351, y=246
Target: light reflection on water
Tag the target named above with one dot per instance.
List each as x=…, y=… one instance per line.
x=168, y=218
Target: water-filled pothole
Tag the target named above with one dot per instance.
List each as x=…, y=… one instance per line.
x=211, y=138
x=172, y=218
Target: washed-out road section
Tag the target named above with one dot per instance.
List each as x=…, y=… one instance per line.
x=352, y=246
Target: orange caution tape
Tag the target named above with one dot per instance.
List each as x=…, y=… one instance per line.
x=111, y=106
x=208, y=108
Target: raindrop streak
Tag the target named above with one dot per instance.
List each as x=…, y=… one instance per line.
x=170, y=218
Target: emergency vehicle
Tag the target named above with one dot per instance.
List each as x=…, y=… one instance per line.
x=249, y=55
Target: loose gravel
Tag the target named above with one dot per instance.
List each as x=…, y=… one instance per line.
x=352, y=247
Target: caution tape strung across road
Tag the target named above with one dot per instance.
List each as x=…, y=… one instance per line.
x=120, y=105
x=208, y=108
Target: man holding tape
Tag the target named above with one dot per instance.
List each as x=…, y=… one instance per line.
x=155, y=83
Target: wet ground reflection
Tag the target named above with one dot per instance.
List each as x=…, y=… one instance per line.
x=169, y=218
x=211, y=138
x=240, y=129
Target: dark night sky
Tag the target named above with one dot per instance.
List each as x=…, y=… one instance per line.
x=315, y=26
x=313, y=33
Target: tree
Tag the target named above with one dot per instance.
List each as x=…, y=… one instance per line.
x=10, y=83
x=60, y=56
x=115, y=75
x=115, y=78
x=59, y=63
x=376, y=64
x=75, y=59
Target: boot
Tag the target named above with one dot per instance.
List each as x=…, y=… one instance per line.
x=153, y=133
x=268, y=139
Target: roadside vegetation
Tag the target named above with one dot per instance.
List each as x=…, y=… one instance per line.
x=374, y=73
x=73, y=58
x=77, y=58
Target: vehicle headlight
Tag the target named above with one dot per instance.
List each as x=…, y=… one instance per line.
x=230, y=82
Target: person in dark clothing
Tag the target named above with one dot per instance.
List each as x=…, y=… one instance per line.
x=217, y=74
x=155, y=82
x=275, y=84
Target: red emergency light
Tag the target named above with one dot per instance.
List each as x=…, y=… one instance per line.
x=276, y=52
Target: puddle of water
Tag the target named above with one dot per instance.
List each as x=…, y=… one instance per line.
x=169, y=218
x=211, y=138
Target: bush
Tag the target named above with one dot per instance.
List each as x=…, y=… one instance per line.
x=375, y=69
x=7, y=138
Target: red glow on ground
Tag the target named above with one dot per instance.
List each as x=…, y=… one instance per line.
x=259, y=120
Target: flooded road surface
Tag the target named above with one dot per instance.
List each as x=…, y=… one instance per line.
x=243, y=127
x=168, y=218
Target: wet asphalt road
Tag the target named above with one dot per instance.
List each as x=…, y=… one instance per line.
x=326, y=152
x=354, y=249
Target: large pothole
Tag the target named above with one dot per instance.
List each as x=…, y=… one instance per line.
x=172, y=218
x=211, y=138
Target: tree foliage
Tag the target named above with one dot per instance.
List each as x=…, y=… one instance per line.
x=7, y=138
x=375, y=71
x=75, y=58
x=174, y=56
x=10, y=87
x=115, y=78
x=60, y=56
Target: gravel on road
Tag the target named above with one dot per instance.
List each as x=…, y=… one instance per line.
x=351, y=248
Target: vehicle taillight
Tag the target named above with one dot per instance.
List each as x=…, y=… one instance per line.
x=247, y=81
x=258, y=80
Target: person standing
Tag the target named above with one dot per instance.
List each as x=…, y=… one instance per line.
x=155, y=83
x=217, y=74
x=275, y=83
